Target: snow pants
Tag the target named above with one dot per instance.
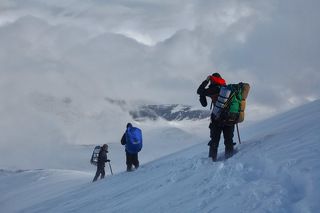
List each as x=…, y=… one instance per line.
x=215, y=134
x=100, y=171
x=132, y=159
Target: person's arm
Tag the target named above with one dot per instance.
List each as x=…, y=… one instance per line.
x=202, y=88
x=106, y=158
x=123, y=139
x=202, y=92
x=103, y=156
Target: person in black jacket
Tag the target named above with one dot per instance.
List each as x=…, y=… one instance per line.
x=102, y=159
x=131, y=158
x=216, y=127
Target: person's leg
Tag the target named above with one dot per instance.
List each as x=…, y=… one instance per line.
x=215, y=133
x=135, y=160
x=129, y=161
x=228, y=140
x=97, y=175
x=103, y=173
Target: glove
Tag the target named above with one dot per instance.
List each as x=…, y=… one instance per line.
x=107, y=160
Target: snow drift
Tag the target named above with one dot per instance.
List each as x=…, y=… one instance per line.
x=277, y=169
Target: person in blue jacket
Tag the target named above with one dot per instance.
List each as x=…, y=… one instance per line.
x=131, y=158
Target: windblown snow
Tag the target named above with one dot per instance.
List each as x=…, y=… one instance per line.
x=276, y=169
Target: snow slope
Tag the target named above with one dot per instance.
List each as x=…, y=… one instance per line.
x=22, y=188
x=277, y=169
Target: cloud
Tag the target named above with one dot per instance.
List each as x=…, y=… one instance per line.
x=281, y=52
x=229, y=37
x=141, y=50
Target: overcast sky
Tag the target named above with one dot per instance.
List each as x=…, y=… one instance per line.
x=156, y=51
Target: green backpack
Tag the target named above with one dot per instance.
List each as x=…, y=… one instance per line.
x=231, y=103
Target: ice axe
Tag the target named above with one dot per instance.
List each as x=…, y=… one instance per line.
x=238, y=133
x=110, y=168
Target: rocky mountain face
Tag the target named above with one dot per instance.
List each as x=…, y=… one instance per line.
x=169, y=112
x=172, y=112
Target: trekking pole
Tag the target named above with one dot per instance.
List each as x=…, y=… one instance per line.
x=238, y=133
x=110, y=168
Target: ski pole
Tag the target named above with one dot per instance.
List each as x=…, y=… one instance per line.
x=238, y=133
x=110, y=168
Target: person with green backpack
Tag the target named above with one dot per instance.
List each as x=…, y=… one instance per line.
x=227, y=103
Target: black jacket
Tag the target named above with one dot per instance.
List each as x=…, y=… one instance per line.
x=102, y=159
x=123, y=139
x=212, y=91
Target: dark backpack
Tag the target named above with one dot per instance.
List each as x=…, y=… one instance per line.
x=95, y=155
x=133, y=140
x=230, y=106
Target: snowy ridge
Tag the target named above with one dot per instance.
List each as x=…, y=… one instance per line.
x=173, y=112
x=140, y=111
x=275, y=170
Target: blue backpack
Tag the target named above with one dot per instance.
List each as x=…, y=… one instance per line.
x=133, y=140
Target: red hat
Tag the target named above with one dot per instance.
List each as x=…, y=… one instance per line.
x=216, y=79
